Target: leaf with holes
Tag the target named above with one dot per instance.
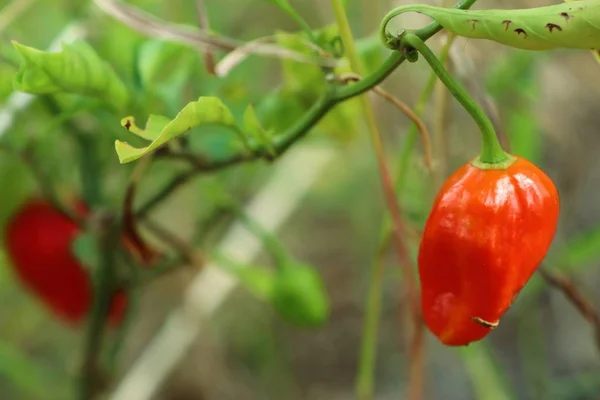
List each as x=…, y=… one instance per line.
x=574, y=25
x=204, y=111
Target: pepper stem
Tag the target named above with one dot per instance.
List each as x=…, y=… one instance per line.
x=492, y=151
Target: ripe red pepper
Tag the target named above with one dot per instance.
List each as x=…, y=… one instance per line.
x=488, y=231
x=38, y=244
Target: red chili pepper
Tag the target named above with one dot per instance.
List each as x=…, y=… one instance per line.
x=38, y=244
x=486, y=235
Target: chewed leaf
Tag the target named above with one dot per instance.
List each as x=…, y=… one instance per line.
x=204, y=111
x=573, y=25
x=76, y=69
x=154, y=126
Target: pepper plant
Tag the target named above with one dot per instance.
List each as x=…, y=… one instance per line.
x=490, y=227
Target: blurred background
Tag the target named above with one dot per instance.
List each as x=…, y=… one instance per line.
x=543, y=103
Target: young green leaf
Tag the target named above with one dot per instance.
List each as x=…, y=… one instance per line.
x=253, y=126
x=204, y=111
x=76, y=69
x=156, y=58
x=566, y=25
x=303, y=84
x=251, y=123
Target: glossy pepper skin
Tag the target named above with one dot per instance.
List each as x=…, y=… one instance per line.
x=38, y=244
x=488, y=231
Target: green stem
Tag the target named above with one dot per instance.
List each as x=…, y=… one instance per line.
x=411, y=135
x=89, y=169
x=492, y=151
x=372, y=319
x=275, y=248
x=298, y=130
x=370, y=333
x=104, y=285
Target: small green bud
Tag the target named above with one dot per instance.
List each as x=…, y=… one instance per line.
x=300, y=297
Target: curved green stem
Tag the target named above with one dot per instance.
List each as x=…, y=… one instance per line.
x=491, y=152
x=387, y=39
x=393, y=42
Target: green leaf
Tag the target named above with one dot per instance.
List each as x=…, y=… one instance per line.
x=372, y=54
x=538, y=28
x=163, y=70
x=251, y=123
x=85, y=248
x=204, y=111
x=253, y=126
x=154, y=126
x=299, y=295
x=156, y=58
x=7, y=73
x=76, y=69
x=303, y=84
x=299, y=76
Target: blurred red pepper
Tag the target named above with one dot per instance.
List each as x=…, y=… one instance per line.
x=38, y=245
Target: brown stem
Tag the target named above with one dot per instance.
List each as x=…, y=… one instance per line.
x=572, y=293
x=209, y=59
x=190, y=254
x=405, y=109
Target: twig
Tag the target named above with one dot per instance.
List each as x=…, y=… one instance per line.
x=204, y=24
x=188, y=252
x=404, y=108
x=579, y=301
x=155, y=27
x=235, y=57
